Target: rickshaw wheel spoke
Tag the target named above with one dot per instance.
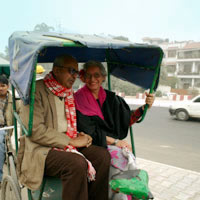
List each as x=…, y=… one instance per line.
x=9, y=189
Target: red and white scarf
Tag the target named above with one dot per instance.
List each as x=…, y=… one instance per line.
x=60, y=91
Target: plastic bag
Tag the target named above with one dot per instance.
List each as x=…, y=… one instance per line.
x=132, y=182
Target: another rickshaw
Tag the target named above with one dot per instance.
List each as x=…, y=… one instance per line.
x=10, y=186
x=135, y=63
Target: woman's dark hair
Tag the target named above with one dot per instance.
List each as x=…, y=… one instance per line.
x=3, y=79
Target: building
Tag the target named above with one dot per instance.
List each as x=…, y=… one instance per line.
x=188, y=65
x=182, y=60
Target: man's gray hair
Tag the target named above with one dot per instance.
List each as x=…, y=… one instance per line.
x=61, y=59
x=93, y=63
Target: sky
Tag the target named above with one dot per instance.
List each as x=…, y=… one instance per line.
x=173, y=19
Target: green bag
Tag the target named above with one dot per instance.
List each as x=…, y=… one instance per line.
x=132, y=182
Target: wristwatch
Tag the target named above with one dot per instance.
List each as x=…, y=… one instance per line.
x=115, y=142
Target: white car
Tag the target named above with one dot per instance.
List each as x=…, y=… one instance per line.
x=185, y=109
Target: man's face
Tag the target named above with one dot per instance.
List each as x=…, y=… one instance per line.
x=3, y=89
x=67, y=74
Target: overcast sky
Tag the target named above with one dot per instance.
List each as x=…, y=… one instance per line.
x=135, y=19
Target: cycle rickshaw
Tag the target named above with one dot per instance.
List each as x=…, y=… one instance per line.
x=135, y=63
x=11, y=177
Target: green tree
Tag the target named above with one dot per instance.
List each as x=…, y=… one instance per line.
x=173, y=81
x=43, y=27
x=163, y=76
x=125, y=87
x=165, y=80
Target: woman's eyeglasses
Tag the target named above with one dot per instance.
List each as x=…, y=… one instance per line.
x=95, y=75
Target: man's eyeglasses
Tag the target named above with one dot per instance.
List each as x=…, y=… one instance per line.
x=71, y=70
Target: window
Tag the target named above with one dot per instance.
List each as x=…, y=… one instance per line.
x=172, y=54
x=171, y=68
x=197, y=100
x=185, y=68
x=189, y=54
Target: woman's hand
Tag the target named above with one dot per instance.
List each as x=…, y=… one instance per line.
x=123, y=143
x=120, y=143
x=149, y=100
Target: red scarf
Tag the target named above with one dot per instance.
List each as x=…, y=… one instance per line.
x=60, y=91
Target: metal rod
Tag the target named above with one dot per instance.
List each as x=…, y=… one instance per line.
x=14, y=119
x=32, y=101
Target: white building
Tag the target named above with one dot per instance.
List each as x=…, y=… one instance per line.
x=188, y=65
x=182, y=60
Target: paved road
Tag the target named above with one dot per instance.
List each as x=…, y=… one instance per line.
x=163, y=139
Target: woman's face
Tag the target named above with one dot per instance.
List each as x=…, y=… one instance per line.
x=93, y=78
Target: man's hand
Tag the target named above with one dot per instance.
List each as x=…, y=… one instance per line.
x=82, y=140
x=88, y=136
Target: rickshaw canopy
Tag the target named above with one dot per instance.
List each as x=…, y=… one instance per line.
x=136, y=63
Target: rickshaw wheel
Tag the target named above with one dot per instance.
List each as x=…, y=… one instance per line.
x=13, y=171
x=9, y=189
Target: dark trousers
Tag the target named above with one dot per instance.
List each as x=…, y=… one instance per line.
x=71, y=168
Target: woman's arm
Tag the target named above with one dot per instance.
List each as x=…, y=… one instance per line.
x=118, y=143
x=135, y=115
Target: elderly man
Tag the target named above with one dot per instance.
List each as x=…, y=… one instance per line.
x=55, y=148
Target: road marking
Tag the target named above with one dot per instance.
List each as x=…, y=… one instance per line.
x=165, y=146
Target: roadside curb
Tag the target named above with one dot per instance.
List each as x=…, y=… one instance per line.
x=169, y=166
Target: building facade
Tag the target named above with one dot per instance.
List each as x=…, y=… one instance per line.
x=181, y=60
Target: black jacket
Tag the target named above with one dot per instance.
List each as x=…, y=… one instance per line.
x=116, y=121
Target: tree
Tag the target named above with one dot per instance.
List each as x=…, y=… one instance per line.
x=172, y=81
x=125, y=87
x=43, y=27
x=168, y=81
x=163, y=76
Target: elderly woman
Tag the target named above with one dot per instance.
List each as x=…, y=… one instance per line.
x=101, y=113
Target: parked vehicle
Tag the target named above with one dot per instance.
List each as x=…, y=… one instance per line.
x=183, y=110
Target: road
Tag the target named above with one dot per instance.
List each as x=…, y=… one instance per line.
x=166, y=140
